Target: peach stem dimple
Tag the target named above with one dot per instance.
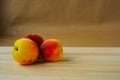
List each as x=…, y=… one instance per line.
x=16, y=48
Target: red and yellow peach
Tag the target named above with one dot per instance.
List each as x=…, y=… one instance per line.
x=25, y=51
x=52, y=50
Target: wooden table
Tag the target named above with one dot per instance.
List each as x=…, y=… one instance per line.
x=79, y=63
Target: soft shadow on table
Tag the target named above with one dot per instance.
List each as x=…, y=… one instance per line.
x=41, y=62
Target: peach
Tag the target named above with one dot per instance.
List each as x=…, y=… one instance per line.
x=52, y=50
x=35, y=37
x=25, y=51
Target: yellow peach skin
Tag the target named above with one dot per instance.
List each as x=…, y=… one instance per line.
x=25, y=51
x=52, y=50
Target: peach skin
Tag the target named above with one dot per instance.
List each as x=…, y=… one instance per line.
x=52, y=50
x=35, y=37
x=25, y=51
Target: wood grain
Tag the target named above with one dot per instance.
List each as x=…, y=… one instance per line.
x=78, y=63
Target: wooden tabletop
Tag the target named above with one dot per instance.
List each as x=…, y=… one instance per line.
x=78, y=63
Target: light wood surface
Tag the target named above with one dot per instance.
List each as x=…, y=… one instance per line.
x=79, y=63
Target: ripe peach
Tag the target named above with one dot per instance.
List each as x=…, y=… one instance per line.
x=35, y=37
x=51, y=50
x=25, y=51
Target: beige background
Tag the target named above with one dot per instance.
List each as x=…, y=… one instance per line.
x=74, y=22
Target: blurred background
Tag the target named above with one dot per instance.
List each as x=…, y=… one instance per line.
x=79, y=23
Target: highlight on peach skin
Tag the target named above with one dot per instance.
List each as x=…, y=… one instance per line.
x=52, y=50
x=25, y=51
